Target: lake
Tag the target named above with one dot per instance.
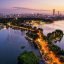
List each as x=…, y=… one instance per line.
x=11, y=41
x=48, y=28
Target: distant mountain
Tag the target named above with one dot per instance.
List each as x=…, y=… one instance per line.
x=20, y=10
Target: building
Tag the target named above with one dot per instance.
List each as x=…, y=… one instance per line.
x=53, y=12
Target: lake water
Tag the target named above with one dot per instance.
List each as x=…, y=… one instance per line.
x=10, y=45
x=12, y=40
x=48, y=28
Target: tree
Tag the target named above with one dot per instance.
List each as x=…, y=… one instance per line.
x=55, y=36
x=28, y=58
x=55, y=48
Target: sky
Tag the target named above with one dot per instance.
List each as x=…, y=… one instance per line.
x=34, y=4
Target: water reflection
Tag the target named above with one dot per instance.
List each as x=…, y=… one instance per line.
x=11, y=41
x=49, y=28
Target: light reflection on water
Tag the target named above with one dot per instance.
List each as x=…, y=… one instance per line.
x=48, y=28
x=10, y=45
x=11, y=41
x=56, y=25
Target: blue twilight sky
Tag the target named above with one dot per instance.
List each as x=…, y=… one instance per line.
x=34, y=4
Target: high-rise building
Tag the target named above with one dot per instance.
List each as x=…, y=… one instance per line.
x=58, y=13
x=53, y=12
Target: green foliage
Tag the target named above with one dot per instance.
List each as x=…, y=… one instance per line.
x=61, y=52
x=28, y=58
x=57, y=50
x=54, y=48
x=32, y=34
x=55, y=36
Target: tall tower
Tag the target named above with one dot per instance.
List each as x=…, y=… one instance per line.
x=58, y=13
x=53, y=12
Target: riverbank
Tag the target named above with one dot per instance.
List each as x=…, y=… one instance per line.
x=49, y=56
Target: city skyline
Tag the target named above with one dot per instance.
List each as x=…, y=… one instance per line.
x=33, y=4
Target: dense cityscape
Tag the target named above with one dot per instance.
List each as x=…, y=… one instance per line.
x=32, y=34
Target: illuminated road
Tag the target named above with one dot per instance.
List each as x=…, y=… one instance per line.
x=49, y=56
x=24, y=28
